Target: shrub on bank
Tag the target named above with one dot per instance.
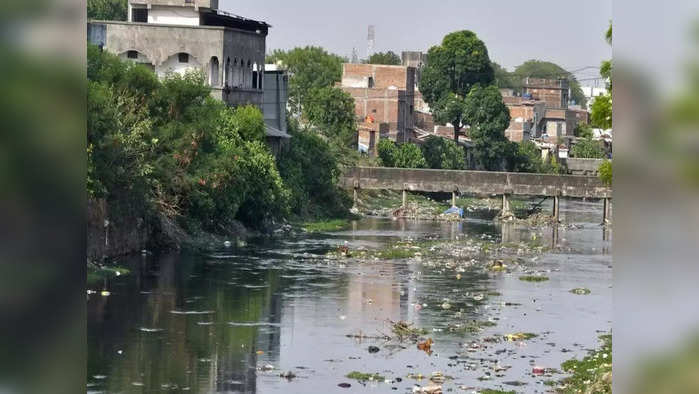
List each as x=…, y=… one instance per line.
x=184, y=154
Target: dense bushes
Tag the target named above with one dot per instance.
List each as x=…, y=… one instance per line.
x=403, y=156
x=443, y=153
x=311, y=171
x=587, y=148
x=172, y=146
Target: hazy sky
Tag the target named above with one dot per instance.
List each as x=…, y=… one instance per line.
x=569, y=33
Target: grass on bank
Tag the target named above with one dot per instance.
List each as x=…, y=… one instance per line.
x=325, y=225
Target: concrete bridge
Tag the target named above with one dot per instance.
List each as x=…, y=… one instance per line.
x=479, y=183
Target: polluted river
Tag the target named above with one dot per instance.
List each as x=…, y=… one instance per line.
x=383, y=305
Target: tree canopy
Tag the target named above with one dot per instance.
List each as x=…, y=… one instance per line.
x=601, y=108
x=171, y=150
x=443, y=153
x=311, y=68
x=488, y=117
x=331, y=111
x=111, y=10
x=549, y=70
x=389, y=58
x=452, y=70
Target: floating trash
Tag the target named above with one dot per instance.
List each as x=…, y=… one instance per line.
x=146, y=329
x=176, y=312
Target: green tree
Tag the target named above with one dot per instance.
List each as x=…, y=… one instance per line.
x=587, y=148
x=169, y=148
x=503, y=78
x=528, y=158
x=310, y=170
x=453, y=68
x=409, y=156
x=387, y=152
x=488, y=117
x=442, y=153
x=601, y=111
x=110, y=10
x=389, y=58
x=331, y=111
x=549, y=70
x=311, y=68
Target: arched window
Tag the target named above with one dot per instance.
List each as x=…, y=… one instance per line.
x=213, y=75
x=227, y=72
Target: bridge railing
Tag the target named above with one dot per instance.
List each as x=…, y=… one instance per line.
x=474, y=182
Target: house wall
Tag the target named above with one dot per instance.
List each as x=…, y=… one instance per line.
x=173, y=15
x=390, y=100
x=275, y=99
x=159, y=46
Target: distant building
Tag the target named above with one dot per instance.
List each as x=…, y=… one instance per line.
x=179, y=36
x=541, y=111
x=553, y=92
x=383, y=94
x=526, y=118
x=171, y=36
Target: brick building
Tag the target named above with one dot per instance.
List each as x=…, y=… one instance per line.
x=383, y=95
x=541, y=111
x=553, y=92
x=526, y=117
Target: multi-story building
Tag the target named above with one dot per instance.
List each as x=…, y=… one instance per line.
x=542, y=110
x=382, y=94
x=176, y=36
x=526, y=117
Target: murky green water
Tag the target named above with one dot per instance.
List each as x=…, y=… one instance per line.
x=221, y=323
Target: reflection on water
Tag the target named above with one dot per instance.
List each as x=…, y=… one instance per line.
x=221, y=323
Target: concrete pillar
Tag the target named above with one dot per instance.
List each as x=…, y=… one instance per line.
x=405, y=198
x=453, y=199
x=354, y=197
x=505, y=204
x=605, y=211
x=556, y=207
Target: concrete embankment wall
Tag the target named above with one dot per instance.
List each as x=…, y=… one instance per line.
x=113, y=236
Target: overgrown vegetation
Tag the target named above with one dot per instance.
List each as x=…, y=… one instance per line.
x=390, y=58
x=442, y=153
x=310, y=170
x=110, y=10
x=311, y=68
x=172, y=151
x=401, y=156
x=592, y=374
x=325, y=225
x=587, y=148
